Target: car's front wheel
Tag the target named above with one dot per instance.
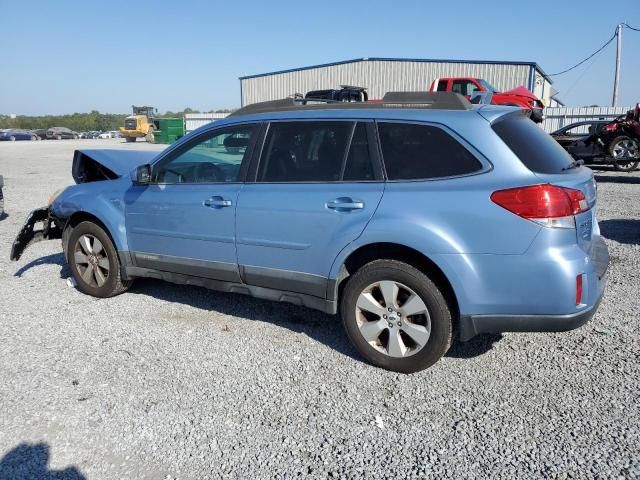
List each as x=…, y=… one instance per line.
x=94, y=261
x=396, y=317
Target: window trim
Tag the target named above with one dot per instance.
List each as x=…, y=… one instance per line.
x=178, y=150
x=486, y=165
x=376, y=160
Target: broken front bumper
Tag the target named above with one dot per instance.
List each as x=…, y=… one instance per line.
x=28, y=234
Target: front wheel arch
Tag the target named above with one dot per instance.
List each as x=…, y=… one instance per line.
x=76, y=219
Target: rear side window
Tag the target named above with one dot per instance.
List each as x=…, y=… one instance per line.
x=417, y=152
x=536, y=149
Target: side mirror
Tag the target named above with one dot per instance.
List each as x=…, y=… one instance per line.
x=143, y=175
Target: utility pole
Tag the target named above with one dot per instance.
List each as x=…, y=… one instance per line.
x=616, y=80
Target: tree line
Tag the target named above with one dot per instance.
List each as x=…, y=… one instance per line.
x=81, y=122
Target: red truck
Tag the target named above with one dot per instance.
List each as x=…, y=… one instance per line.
x=467, y=86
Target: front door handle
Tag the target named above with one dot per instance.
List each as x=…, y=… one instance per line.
x=345, y=204
x=217, y=202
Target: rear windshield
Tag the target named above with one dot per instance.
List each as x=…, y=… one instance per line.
x=539, y=152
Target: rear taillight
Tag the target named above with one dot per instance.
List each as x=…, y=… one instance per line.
x=548, y=205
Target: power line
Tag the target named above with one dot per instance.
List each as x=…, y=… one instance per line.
x=631, y=28
x=589, y=57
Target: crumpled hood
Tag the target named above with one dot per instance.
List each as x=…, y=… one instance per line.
x=520, y=91
x=90, y=165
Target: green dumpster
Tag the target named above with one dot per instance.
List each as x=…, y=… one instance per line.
x=168, y=130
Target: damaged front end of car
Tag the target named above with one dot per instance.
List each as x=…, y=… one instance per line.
x=40, y=225
x=89, y=166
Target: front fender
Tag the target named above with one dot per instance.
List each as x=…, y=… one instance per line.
x=105, y=202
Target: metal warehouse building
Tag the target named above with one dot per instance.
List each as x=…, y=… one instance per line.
x=381, y=75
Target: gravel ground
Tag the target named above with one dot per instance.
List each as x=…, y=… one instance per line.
x=172, y=381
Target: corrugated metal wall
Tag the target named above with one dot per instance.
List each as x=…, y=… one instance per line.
x=197, y=120
x=379, y=76
x=555, y=118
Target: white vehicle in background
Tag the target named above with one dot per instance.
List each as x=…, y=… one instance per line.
x=111, y=134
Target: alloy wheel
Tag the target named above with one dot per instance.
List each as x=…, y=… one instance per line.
x=626, y=149
x=91, y=260
x=393, y=319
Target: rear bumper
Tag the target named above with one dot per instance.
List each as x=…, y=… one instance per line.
x=473, y=325
x=594, y=283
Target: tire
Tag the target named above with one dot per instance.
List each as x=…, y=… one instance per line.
x=130, y=139
x=12, y=138
x=626, y=166
x=433, y=330
x=105, y=262
x=34, y=138
x=625, y=153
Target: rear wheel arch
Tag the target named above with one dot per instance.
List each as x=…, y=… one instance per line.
x=393, y=251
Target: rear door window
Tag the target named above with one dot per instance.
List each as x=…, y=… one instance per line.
x=359, y=167
x=419, y=152
x=442, y=85
x=305, y=151
x=535, y=148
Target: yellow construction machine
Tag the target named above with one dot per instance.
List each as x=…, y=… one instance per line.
x=139, y=125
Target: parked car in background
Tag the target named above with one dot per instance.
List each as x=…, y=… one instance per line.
x=105, y=135
x=60, y=133
x=13, y=135
x=345, y=93
x=332, y=207
x=614, y=142
x=40, y=133
x=517, y=97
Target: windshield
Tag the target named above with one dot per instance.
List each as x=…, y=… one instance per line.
x=487, y=86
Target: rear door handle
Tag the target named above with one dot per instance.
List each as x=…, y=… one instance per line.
x=345, y=204
x=217, y=202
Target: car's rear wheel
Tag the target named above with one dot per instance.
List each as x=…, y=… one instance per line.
x=94, y=261
x=130, y=139
x=395, y=316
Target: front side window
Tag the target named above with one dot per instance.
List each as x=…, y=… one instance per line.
x=487, y=86
x=305, y=151
x=418, y=152
x=215, y=159
x=442, y=85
